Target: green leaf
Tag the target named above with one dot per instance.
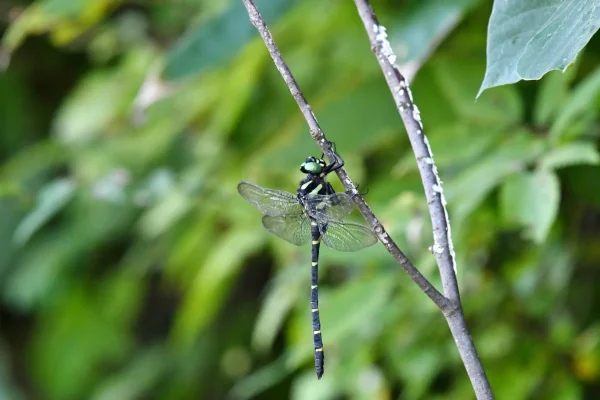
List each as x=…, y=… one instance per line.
x=577, y=104
x=219, y=39
x=531, y=199
x=527, y=39
x=465, y=192
x=571, y=154
x=51, y=199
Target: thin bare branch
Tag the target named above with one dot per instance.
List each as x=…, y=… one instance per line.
x=319, y=137
x=442, y=245
x=443, y=248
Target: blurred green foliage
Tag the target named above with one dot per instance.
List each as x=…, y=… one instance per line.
x=130, y=268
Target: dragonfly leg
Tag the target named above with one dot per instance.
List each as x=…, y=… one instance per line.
x=331, y=147
x=337, y=163
x=328, y=188
x=361, y=193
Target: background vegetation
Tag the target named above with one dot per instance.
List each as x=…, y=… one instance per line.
x=131, y=269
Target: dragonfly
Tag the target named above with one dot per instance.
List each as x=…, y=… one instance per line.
x=314, y=214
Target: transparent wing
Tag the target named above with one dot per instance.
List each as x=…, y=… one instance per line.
x=333, y=207
x=348, y=236
x=295, y=228
x=270, y=201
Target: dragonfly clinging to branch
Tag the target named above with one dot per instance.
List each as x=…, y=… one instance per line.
x=313, y=214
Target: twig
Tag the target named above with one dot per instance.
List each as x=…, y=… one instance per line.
x=442, y=245
x=443, y=248
x=318, y=135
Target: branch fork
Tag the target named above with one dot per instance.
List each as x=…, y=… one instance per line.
x=443, y=248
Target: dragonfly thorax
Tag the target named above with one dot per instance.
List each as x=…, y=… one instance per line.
x=313, y=185
x=314, y=182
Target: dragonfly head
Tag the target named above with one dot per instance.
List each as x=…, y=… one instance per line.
x=312, y=165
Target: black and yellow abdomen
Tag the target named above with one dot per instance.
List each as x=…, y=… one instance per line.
x=314, y=300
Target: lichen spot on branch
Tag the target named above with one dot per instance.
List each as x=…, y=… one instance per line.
x=381, y=39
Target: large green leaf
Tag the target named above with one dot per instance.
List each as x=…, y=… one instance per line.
x=531, y=199
x=219, y=39
x=526, y=39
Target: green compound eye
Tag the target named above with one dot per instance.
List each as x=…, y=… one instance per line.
x=312, y=167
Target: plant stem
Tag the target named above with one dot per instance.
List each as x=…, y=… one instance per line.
x=443, y=248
